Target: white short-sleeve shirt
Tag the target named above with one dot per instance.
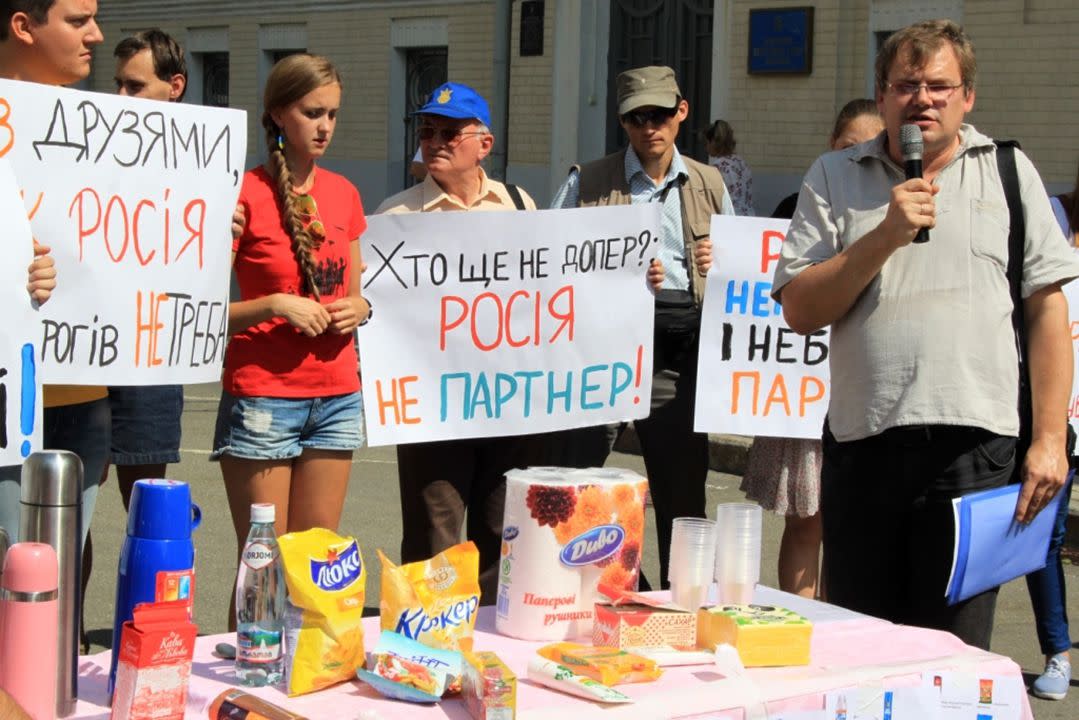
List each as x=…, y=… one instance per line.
x=930, y=340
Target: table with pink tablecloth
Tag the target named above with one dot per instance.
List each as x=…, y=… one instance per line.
x=848, y=650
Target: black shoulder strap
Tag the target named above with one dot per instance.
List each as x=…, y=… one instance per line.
x=515, y=195
x=1009, y=179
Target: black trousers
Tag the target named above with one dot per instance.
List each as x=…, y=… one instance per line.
x=439, y=481
x=675, y=457
x=886, y=507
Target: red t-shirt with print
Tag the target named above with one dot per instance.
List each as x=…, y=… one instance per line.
x=272, y=358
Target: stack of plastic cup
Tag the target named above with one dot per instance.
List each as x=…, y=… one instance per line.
x=693, y=555
x=738, y=552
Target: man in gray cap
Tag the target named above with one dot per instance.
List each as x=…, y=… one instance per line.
x=651, y=109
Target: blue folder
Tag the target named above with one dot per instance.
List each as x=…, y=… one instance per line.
x=991, y=548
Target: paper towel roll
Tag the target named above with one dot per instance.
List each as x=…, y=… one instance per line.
x=565, y=531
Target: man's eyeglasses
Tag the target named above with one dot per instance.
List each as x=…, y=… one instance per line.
x=308, y=211
x=938, y=92
x=450, y=136
x=656, y=116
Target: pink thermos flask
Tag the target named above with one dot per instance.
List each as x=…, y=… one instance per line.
x=28, y=632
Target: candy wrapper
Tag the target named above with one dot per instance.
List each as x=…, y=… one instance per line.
x=327, y=581
x=606, y=665
x=404, y=669
x=434, y=601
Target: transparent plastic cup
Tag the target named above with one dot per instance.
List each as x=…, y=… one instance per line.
x=693, y=547
x=738, y=552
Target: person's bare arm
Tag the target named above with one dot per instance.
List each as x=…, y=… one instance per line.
x=306, y=315
x=1045, y=467
x=41, y=275
x=9, y=709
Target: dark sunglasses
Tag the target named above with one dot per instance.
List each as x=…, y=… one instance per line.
x=447, y=135
x=656, y=116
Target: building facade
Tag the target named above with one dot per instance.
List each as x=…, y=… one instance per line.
x=547, y=68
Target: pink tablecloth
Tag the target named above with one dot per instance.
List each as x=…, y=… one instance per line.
x=847, y=650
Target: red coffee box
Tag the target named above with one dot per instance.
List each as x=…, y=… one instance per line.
x=635, y=620
x=156, y=648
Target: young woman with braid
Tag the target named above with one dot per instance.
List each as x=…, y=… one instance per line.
x=291, y=410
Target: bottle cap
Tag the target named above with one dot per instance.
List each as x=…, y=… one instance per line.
x=52, y=478
x=262, y=513
x=30, y=567
x=162, y=510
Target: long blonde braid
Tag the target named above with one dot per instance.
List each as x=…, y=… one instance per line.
x=303, y=244
x=290, y=79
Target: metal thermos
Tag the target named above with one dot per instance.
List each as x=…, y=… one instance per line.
x=51, y=513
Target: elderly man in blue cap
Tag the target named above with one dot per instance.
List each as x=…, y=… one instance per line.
x=441, y=480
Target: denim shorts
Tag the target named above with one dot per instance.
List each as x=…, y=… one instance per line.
x=146, y=424
x=270, y=428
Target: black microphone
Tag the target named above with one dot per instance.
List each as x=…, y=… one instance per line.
x=910, y=142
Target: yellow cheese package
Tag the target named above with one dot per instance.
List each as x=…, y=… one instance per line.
x=326, y=581
x=607, y=665
x=433, y=601
x=763, y=635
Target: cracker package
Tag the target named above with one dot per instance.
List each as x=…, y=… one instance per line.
x=326, y=581
x=433, y=601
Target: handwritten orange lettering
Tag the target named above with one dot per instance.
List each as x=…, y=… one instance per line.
x=151, y=327
x=196, y=230
x=808, y=394
x=5, y=116
x=777, y=394
x=768, y=254
x=399, y=403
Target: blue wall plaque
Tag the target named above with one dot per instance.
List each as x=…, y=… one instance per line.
x=781, y=41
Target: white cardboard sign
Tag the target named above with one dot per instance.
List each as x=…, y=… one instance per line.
x=755, y=375
x=505, y=323
x=20, y=384
x=135, y=199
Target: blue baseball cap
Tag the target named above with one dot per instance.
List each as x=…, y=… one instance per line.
x=455, y=100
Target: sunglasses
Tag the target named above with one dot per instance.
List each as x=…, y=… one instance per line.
x=447, y=135
x=308, y=210
x=656, y=116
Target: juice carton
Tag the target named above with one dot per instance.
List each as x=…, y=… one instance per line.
x=156, y=648
x=489, y=687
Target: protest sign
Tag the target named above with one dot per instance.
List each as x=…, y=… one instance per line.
x=135, y=198
x=20, y=387
x=505, y=323
x=755, y=375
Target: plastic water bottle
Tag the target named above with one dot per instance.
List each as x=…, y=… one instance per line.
x=260, y=604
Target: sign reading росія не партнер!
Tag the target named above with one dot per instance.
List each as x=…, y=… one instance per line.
x=506, y=323
x=135, y=199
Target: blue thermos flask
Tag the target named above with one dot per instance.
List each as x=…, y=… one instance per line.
x=157, y=561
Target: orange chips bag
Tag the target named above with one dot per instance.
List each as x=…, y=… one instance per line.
x=433, y=601
x=326, y=580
